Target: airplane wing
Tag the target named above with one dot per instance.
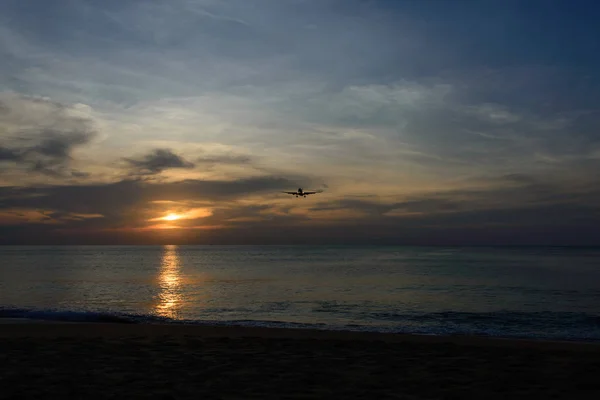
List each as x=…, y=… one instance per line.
x=309, y=192
x=290, y=192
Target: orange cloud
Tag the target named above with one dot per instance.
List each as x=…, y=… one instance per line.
x=175, y=215
x=20, y=216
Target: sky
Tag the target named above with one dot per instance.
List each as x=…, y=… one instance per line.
x=426, y=122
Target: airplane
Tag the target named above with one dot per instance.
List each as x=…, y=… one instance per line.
x=300, y=193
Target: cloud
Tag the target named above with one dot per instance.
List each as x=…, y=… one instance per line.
x=519, y=178
x=368, y=207
x=157, y=161
x=420, y=205
x=504, y=201
x=9, y=155
x=507, y=212
x=40, y=134
x=225, y=159
x=126, y=201
x=220, y=160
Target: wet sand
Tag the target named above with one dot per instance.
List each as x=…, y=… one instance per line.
x=45, y=360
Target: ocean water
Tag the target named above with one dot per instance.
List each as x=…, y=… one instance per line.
x=548, y=293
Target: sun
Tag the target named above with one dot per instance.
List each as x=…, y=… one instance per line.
x=171, y=217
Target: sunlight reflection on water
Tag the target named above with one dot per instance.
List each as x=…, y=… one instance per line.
x=170, y=296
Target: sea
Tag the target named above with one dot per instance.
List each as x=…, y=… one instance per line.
x=513, y=292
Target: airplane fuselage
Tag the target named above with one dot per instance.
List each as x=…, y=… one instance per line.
x=300, y=193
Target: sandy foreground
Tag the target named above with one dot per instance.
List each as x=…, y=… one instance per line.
x=79, y=360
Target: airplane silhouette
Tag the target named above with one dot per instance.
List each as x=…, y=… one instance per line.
x=300, y=193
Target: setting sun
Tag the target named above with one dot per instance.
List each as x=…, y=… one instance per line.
x=181, y=215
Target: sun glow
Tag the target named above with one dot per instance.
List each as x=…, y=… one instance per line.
x=171, y=217
x=176, y=219
x=193, y=213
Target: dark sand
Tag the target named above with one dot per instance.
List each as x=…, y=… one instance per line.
x=47, y=360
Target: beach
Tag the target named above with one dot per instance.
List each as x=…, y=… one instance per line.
x=102, y=360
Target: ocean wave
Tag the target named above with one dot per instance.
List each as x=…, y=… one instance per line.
x=502, y=324
x=70, y=316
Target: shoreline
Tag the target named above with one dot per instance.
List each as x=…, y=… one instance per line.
x=37, y=328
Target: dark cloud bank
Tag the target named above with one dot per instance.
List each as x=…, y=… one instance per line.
x=540, y=215
x=158, y=161
x=40, y=141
